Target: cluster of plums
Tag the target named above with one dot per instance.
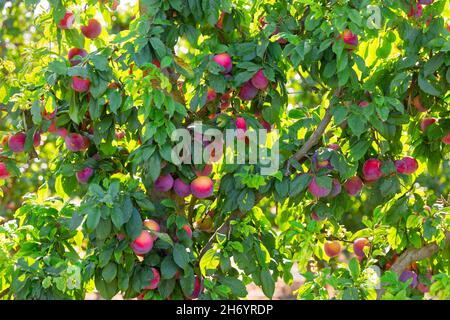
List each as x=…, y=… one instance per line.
x=334, y=248
x=201, y=187
x=91, y=31
x=248, y=90
x=143, y=244
x=371, y=171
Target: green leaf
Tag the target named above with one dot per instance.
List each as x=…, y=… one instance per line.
x=166, y=287
x=115, y=100
x=246, y=200
x=180, y=255
x=168, y=268
x=299, y=184
x=268, y=284
x=109, y=272
x=187, y=281
x=358, y=150
x=236, y=286
x=339, y=113
x=357, y=124
x=93, y=218
x=209, y=261
x=353, y=265
x=427, y=87
x=134, y=226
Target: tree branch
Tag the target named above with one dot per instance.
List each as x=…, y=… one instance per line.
x=412, y=255
x=223, y=229
x=315, y=137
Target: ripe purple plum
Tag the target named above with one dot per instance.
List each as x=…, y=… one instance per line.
x=143, y=243
x=358, y=246
x=202, y=187
x=84, y=175
x=372, y=170
x=224, y=60
x=67, y=21
x=247, y=91
x=259, y=80
x=198, y=288
x=335, y=188
x=181, y=188
x=164, y=183
x=408, y=274
x=350, y=39
x=80, y=85
x=316, y=190
x=407, y=165
x=425, y=123
x=76, y=52
x=211, y=94
x=353, y=185
x=92, y=30
x=154, y=283
x=76, y=142
x=17, y=142
x=4, y=173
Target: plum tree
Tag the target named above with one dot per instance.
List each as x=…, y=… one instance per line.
x=351, y=102
x=92, y=30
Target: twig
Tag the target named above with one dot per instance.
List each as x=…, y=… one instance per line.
x=315, y=137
